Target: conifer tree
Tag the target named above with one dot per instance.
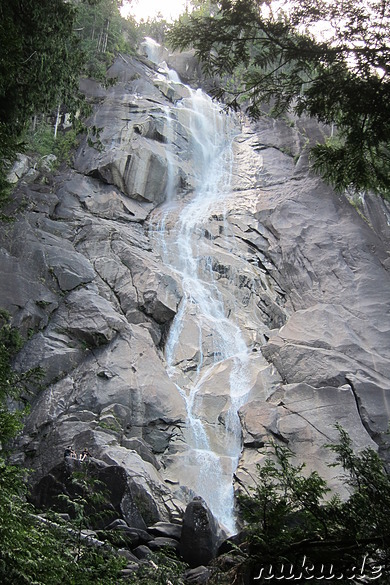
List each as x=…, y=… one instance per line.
x=297, y=530
x=327, y=59
x=41, y=60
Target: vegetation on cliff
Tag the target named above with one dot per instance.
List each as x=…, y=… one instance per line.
x=328, y=60
x=288, y=517
x=46, y=47
x=39, y=67
x=33, y=551
x=296, y=529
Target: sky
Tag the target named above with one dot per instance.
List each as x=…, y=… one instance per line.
x=144, y=9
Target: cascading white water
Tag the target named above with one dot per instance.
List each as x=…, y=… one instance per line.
x=213, y=449
x=152, y=49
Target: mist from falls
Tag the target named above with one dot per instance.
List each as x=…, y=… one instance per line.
x=212, y=450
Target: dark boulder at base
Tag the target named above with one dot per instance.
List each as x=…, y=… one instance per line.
x=112, y=480
x=199, y=534
x=163, y=542
x=167, y=529
x=142, y=552
x=228, y=544
x=198, y=576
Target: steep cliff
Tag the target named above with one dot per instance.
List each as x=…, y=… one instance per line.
x=191, y=291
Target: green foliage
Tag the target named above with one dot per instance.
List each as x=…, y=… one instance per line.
x=40, y=61
x=103, y=33
x=87, y=504
x=205, y=7
x=366, y=512
x=66, y=142
x=42, y=141
x=38, y=552
x=40, y=65
x=278, y=58
x=46, y=47
x=12, y=383
x=93, y=138
x=291, y=520
x=281, y=493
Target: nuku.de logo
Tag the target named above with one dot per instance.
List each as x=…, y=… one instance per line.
x=308, y=571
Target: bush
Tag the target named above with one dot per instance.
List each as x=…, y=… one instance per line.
x=42, y=141
x=295, y=530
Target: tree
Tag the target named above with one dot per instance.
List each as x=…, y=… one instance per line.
x=39, y=65
x=340, y=76
x=103, y=32
x=33, y=552
x=43, y=55
x=294, y=529
x=38, y=552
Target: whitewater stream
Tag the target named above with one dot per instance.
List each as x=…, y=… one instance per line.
x=212, y=450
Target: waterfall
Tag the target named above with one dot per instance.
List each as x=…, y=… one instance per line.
x=152, y=49
x=213, y=450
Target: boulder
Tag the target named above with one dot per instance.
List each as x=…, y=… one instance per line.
x=47, y=163
x=19, y=169
x=199, y=575
x=121, y=497
x=167, y=529
x=198, y=542
x=142, y=552
x=161, y=543
x=133, y=560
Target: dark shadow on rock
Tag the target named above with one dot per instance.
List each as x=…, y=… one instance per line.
x=199, y=534
x=111, y=481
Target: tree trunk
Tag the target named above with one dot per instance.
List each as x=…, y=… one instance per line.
x=57, y=121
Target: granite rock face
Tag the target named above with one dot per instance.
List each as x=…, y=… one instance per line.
x=301, y=272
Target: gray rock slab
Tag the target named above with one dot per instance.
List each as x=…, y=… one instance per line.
x=167, y=529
